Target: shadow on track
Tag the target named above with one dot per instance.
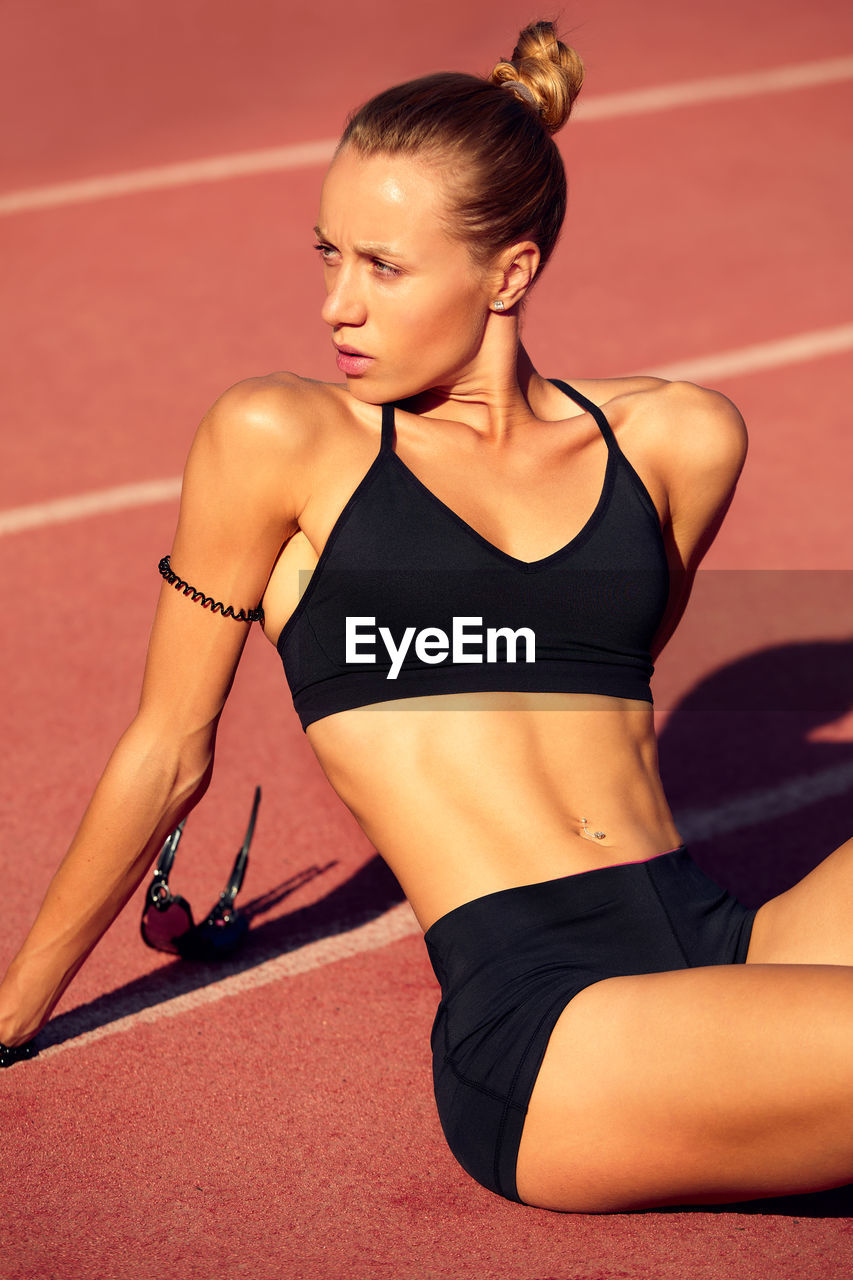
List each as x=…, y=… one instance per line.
x=837, y=1202
x=369, y=892
x=760, y=783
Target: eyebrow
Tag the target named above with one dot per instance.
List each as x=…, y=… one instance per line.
x=368, y=249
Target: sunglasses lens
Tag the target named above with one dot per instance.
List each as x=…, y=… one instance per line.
x=216, y=936
x=165, y=929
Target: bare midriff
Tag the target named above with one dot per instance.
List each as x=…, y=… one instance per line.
x=467, y=794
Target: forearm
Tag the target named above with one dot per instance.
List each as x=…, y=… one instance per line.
x=146, y=788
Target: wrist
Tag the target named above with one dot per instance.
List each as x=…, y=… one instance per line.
x=20, y=1019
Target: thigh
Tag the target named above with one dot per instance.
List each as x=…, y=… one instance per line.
x=694, y=1086
x=812, y=923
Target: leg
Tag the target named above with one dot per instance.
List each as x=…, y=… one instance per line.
x=695, y=1086
x=812, y=923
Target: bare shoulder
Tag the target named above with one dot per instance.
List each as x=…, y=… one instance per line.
x=280, y=415
x=684, y=430
x=267, y=439
x=703, y=428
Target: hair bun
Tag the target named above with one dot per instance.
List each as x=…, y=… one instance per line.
x=549, y=71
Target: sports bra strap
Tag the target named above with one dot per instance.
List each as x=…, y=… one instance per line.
x=590, y=406
x=387, y=445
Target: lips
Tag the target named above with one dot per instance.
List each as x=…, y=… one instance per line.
x=351, y=362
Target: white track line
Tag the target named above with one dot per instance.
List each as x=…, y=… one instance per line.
x=755, y=807
x=214, y=169
x=303, y=155
x=763, y=355
x=397, y=923
x=746, y=811
x=803, y=75
x=59, y=511
x=752, y=359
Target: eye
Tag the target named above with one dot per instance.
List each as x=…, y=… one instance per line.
x=325, y=251
x=385, y=269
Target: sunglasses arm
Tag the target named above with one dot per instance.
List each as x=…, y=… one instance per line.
x=229, y=893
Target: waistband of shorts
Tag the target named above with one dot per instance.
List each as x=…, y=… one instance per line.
x=597, y=878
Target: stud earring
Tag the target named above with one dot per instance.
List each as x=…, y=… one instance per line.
x=500, y=305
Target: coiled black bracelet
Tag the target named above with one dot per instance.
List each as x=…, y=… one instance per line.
x=208, y=602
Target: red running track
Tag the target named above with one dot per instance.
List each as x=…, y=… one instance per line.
x=274, y=1118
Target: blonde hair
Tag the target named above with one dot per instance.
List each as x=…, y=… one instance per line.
x=491, y=138
x=548, y=69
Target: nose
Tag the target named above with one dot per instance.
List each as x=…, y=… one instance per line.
x=344, y=303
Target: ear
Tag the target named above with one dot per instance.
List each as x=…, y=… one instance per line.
x=514, y=273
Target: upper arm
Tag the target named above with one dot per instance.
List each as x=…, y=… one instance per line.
x=702, y=443
x=242, y=492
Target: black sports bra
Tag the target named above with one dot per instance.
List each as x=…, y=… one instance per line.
x=407, y=600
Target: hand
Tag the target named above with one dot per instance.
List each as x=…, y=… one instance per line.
x=10, y=1054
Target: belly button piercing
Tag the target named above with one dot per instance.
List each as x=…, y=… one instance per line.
x=585, y=831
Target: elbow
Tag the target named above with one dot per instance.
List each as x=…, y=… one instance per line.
x=192, y=783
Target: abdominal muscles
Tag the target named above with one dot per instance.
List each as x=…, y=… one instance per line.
x=471, y=793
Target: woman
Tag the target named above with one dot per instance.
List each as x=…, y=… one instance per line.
x=494, y=561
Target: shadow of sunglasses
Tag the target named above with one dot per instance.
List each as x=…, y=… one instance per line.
x=167, y=919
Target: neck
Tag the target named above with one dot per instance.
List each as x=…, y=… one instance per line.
x=493, y=397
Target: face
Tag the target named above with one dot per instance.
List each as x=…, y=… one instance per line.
x=406, y=303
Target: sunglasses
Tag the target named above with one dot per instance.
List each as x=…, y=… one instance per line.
x=167, y=919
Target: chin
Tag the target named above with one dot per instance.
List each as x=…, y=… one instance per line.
x=365, y=393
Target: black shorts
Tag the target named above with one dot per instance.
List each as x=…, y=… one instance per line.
x=509, y=963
